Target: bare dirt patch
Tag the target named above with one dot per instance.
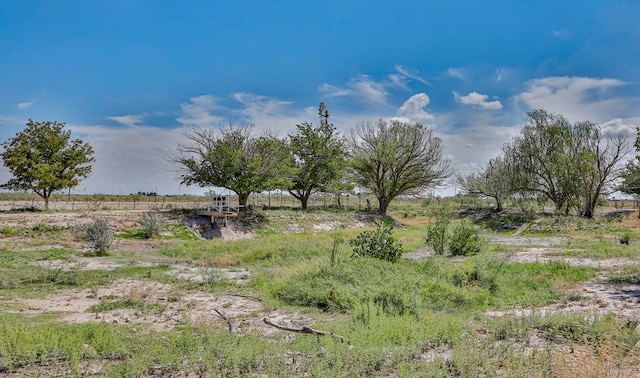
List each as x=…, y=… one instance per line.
x=160, y=307
x=597, y=296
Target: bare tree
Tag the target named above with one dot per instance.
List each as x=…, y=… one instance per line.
x=393, y=158
x=596, y=157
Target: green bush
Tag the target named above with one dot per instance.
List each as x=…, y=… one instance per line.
x=459, y=239
x=378, y=243
x=100, y=236
x=438, y=234
x=465, y=239
x=152, y=224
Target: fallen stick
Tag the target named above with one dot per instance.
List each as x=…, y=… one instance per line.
x=226, y=319
x=305, y=329
x=244, y=296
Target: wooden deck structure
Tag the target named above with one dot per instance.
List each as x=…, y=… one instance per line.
x=218, y=208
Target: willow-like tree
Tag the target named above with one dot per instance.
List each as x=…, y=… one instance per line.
x=319, y=158
x=235, y=158
x=42, y=158
x=541, y=159
x=393, y=158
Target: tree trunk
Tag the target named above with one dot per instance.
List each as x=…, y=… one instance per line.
x=384, y=204
x=242, y=202
x=589, y=208
x=303, y=202
x=499, y=206
x=46, y=202
x=559, y=204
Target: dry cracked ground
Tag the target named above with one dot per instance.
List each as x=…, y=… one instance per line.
x=241, y=312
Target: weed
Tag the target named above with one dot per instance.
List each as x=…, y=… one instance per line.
x=99, y=234
x=152, y=224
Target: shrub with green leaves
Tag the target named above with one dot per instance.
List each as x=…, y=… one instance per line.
x=152, y=224
x=459, y=239
x=465, y=239
x=438, y=234
x=378, y=243
x=99, y=234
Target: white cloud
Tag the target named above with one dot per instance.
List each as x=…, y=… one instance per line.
x=132, y=159
x=197, y=112
x=24, y=105
x=626, y=127
x=128, y=120
x=475, y=98
x=413, y=108
x=267, y=112
x=577, y=98
x=361, y=87
x=398, y=81
x=410, y=73
x=562, y=33
x=456, y=72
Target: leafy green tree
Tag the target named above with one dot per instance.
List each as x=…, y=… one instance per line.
x=43, y=158
x=566, y=163
x=319, y=158
x=541, y=158
x=492, y=182
x=393, y=158
x=235, y=158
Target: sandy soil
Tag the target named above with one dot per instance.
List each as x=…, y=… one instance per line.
x=167, y=307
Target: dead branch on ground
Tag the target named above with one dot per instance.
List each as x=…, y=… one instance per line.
x=226, y=319
x=305, y=329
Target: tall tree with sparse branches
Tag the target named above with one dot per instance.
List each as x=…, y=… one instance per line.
x=319, y=158
x=393, y=158
x=233, y=157
x=630, y=175
x=596, y=156
x=43, y=158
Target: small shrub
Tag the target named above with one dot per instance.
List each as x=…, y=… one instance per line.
x=100, y=236
x=378, y=243
x=438, y=234
x=465, y=239
x=152, y=224
x=459, y=239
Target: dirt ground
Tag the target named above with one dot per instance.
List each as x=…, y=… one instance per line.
x=246, y=313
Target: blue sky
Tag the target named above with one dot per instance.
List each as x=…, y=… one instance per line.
x=129, y=76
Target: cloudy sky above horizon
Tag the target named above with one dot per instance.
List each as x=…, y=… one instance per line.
x=128, y=76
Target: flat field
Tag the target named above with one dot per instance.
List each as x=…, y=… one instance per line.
x=278, y=293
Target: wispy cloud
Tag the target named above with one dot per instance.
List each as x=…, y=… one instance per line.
x=362, y=87
x=24, y=105
x=413, y=108
x=458, y=73
x=475, y=98
x=128, y=120
x=563, y=33
x=411, y=73
x=197, y=112
x=267, y=112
